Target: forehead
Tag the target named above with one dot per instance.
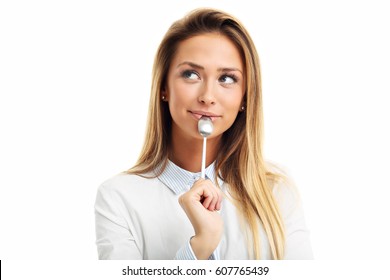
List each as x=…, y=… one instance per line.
x=210, y=49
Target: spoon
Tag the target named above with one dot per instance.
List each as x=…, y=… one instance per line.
x=205, y=128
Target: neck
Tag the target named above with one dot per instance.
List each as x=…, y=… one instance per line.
x=187, y=153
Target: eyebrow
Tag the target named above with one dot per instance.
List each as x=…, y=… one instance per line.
x=197, y=66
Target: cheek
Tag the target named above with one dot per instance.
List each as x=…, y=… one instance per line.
x=232, y=101
x=232, y=106
x=182, y=94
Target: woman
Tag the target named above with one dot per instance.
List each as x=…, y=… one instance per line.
x=206, y=65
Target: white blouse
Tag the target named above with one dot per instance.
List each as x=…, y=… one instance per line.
x=139, y=218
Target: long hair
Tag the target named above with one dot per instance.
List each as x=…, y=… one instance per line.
x=240, y=160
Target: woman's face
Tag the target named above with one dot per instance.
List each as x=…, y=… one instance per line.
x=205, y=78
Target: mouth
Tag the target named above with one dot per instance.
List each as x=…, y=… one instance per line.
x=198, y=114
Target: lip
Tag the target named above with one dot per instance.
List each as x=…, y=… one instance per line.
x=198, y=114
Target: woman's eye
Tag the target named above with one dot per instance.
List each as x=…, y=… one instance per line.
x=228, y=79
x=191, y=75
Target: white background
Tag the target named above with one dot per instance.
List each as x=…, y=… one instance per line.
x=74, y=85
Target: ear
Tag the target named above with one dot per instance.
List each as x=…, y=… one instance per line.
x=164, y=95
x=243, y=103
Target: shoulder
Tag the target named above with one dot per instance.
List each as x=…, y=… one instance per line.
x=290, y=206
x=125, y=191
x=283, y=188
x=124, y=183
x=123, y=178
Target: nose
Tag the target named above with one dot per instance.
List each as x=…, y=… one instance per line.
x=206, y=95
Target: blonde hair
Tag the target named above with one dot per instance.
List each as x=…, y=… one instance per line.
x=240, y=160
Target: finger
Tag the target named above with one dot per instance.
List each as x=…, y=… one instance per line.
x=219, y=204
x=213, y=202
x=201, y=191
x=198, y=182
x=206, y=203
x=207, y=194
x=218, y=201
x=212, y=199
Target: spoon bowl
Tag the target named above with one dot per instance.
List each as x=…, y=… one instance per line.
x=205, y=126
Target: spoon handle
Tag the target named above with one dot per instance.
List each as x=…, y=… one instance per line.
x=204, y=158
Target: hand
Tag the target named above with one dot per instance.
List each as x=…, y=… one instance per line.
x=200, y=204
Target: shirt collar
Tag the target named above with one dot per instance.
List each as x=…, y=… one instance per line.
x=180, y=180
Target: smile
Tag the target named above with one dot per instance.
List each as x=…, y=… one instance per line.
x=198, y=114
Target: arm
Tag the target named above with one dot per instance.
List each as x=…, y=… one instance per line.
x=298, y=244
x=114, y=239
x=186, y=253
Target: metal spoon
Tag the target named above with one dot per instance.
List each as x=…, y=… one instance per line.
x=205, y=128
